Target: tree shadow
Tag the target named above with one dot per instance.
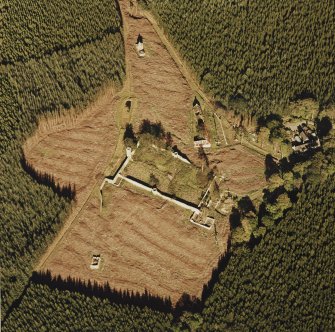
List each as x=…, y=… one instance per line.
x=323, y=126
x=305, y=94
x=68, y=191
x=187, y=303
x=235, y=218
x=271, y=167
x=222, y=264
x=196, y=102
x=246, y=205
x=139, y=39
x=175, y=149
x=104, y=291
x=155, y=129
x=264, y=121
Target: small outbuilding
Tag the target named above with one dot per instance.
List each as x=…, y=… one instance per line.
x=95, y=263
x=139, y=46
x=202, y=143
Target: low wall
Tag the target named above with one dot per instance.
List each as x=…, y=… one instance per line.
x=178, y=156
x=157, y=193
x=148, y=188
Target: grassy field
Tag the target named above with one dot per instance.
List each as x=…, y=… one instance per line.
x=160, y=168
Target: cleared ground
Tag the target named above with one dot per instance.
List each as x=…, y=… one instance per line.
x=145, y=243
x=76, y=151
x=242, y=169
x=160, y=89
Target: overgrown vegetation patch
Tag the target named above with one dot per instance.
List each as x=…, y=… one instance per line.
x=158, y=167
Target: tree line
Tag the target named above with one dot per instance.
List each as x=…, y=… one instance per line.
x=104, y=291
x=36, y=28
x=55, y=56
x=284, y=283
x=67, y=191
x=263, y=53
x=44, y=308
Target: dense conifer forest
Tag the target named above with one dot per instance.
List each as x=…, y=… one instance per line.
x=263, y=52
x=46, y=309
x=30, y=212
x=283, y=284
x=286, y=282
x=35, y=29
x=55, y=55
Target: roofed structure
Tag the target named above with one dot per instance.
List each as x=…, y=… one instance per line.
x=304, y=138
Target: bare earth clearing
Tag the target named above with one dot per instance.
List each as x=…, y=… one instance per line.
x=76, y=152
x=145, y=243
x=242, y=169
x=159, y=88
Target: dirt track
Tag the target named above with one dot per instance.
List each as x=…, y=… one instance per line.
x=145, y=244
x=161, y=91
